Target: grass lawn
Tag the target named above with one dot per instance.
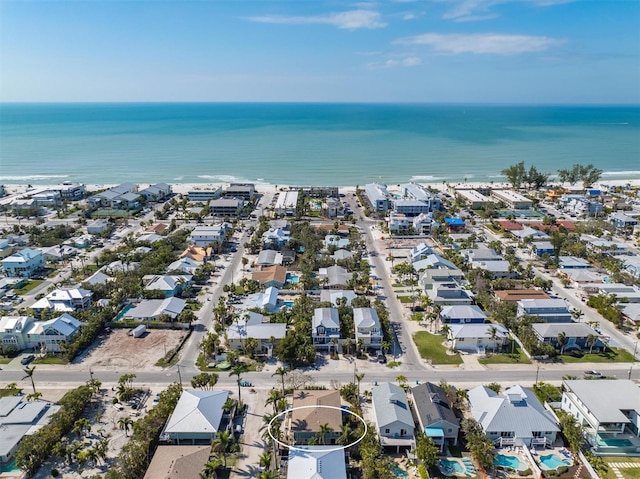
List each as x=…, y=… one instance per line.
x=518, y=357
x=29, y=285
x=406, y=299
x=5, y=360
x=393, y=364
x=431, y=348
x=627, y=473
x=50, y=360
x=5, y=392
x=613, y=355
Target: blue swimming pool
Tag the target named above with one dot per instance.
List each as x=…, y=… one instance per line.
x=293, y=278
x=613, y=442
x=511, y=462
x=123, y=312
x=11, y=467
x=451, y=465
x=399, y=472
x=553, y=461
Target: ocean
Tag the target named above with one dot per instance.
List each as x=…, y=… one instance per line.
x=309, y=144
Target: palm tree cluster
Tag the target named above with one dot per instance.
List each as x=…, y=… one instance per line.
x=36, y=448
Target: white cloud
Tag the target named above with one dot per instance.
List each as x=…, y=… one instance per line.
x=408, y=16
x=404, y=62
x=476, y=10
x=349, y=20
x=482, y=43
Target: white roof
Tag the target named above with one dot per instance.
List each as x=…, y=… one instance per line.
x=463, y=312
x=316, y=462
x=607, y=403
x=517, y=410
x=197, y=412
x=390, y=405
x=477, y=330
x=66, y=325
x=14, y=324
x=327, y=317
x=365, y=318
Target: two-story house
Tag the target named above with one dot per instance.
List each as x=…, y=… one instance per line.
x=24, y=263
x=549, y=310
x=436, y=417
x=367, y=327
x=325, y=328
x=394, y=421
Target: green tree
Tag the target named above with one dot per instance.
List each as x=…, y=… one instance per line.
x=324, y=430
x=204, y=381
x=238, y=370
x=282, y=372
x=426, y=451
x=515, y=174
x=221, y=444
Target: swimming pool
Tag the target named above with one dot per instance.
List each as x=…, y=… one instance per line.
x=553, y=461
x=451, y=465
x=613, y=442
x=511, y=462
x=124, y=311
x=399, y=472
x=293, y=278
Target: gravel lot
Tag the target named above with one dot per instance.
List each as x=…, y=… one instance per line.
x=118, y=350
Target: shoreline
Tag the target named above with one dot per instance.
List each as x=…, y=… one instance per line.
x=16, y=189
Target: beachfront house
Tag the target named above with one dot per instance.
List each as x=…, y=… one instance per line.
x=514, y=417
x=513, y=200
x=225, y=206
x=417, y=192
x=378, y=196
x=246, y=191
x=610, y=415
x=325, y=328
x=23, y=264
x=287, y=203
x=436, y=417
x=393, y=418
x=367, y=328
x=478, y=338
x=197, y=418
x=552, y=310
x=156, y=193
x=305, y=422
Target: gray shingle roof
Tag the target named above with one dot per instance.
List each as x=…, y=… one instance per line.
x=431, y=404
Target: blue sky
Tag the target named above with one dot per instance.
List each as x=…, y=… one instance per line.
x=487, y=51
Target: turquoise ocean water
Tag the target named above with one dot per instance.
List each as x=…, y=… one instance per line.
x=310, y=144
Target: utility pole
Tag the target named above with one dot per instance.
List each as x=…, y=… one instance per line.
x=537, y=371
x=179, y=375
x=630, y=369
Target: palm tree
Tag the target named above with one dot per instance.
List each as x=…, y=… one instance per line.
x=274, y=397
x=282, y=372
x=267, y=474
x=562, y=337
x=577, y=314
x=359, y=377
x=29, y=374
x=493, y=334
x=324, y=430
x=402, y=381
x=345, y=435
x=591, y=341
x=445, y=331
x=238, y=370
x=265, y=459
x=125, y=423
x=210, y=470
x=221, y=444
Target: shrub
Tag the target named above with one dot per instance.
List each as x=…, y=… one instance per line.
x=526, y=472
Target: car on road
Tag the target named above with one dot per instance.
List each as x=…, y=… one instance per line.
x=27, y=359
x=381, y=357
x=593, y=373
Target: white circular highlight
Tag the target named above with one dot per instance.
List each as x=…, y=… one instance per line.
x=310, y=447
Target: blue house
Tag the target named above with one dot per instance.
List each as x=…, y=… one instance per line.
x=454, y=224
x=23, y=264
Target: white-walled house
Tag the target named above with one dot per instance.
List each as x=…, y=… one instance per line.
x=367, y=327
x=393, y=417
x=23, y=263
x=478, y=338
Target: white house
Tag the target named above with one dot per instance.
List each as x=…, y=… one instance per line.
x=156, y=309
x=394, y=422
x=610, y=415
x=23, y=264
x=207, y=235
x=196, y=418
x=65, y=300
x=257, y=326
x=478, y=338
x=514, y=417
x=316, y=462
x=51, y=334
x=367, y=327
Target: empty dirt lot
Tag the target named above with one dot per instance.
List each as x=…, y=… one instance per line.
x=118, y=350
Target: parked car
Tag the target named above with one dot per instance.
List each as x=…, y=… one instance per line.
x=27, y=359
x=381, y=357
x=593, y=373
